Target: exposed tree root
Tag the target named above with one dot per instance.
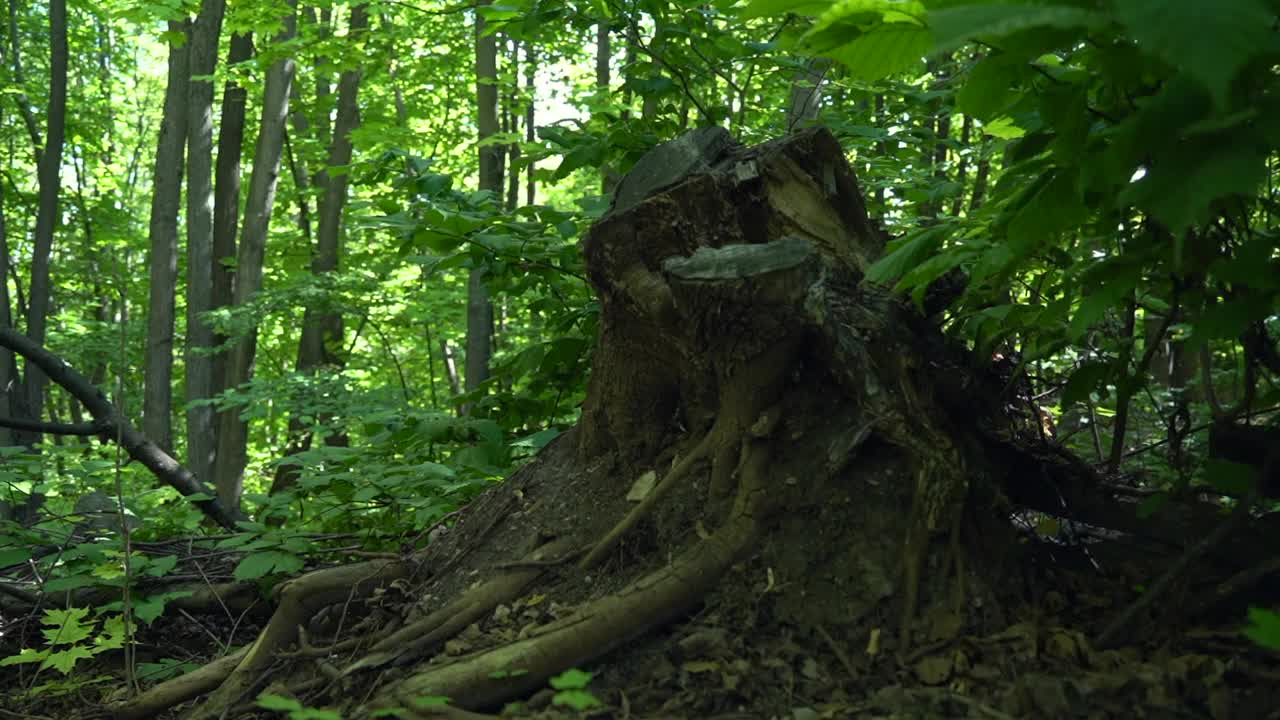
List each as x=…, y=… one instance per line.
x=743, y=399
x=178, y=690
x=423, y=636
x=487, y=678
x=299, y=599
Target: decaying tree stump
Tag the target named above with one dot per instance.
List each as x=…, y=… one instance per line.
x=765, y=435
x=784, y=412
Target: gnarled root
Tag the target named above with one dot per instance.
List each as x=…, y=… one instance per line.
x=487, y=678
x=299, y=599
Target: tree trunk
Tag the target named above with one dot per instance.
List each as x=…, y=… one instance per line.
x=806, y=94
x=530, y=73
x=157, y=402
x=321, y=341
x=10, y=381
x=233, y=431
x=226, y=200
x=202, y=437
x=479, y=308
x=49, y=174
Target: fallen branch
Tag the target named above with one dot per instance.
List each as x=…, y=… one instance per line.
x=116, y=427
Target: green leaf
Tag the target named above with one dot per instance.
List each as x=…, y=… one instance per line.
x=910, y=252
x=774, y=8
x=65, y=627
x=71, y=582
x=571, y=679
x=65, y=661
x=261, y=564
x=1003, y=128
x=1054, y=208
x=990, y=87
x=270, y=701
x=24, y=656
x=955, y=26
x=14, y=555
x=1264, y=628
x=1229, y=319
x=1211, y=41
x=1229, y=478
x=162, y=565
x=1115, y=283
x=1084, y=381
x=1180, y=189
x=883, y=51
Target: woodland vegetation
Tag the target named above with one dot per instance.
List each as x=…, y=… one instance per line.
x=735, y=359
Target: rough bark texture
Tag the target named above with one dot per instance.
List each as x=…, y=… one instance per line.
x=233, y=431
x=201, y=430
x=157, y=402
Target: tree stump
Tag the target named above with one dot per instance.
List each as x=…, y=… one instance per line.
x=760, y=423
x=768, y=440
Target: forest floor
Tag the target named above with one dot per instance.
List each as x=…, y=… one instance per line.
x=745, y=655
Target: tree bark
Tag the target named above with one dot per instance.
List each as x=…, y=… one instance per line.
x=233, y=431
x=479, y=308
x=202, y=431
x=226, y=199
x=157, y=401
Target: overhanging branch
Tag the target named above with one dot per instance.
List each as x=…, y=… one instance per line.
x=109, y=423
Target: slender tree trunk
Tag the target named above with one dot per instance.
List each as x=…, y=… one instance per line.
x=479, y=308
x=233, y=433
x=604, y=57
x=806, y=93
x=9, y=379
x=166, y=198
x=530, y=91
x=321, y=329
x=962, y=168
x=980, y=179
x=226, y=200
x=513, y=127
x=202, y=437
x=882, y=149
x=321, y=341
x=49, y=174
